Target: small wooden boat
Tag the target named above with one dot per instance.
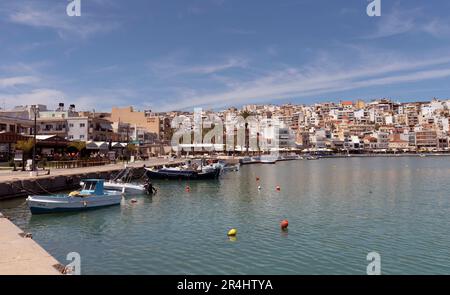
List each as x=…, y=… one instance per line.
x=91, y=196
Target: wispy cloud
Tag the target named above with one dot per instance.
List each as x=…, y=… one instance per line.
x=400, y=20
x=395, y=22
x=51, y=15
x=41, y=96
x=438, y=28
x=292, y=83
x=16, y=81
x=170, y=66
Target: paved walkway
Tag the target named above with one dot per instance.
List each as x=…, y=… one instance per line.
x=22, y=256
x=25, y=175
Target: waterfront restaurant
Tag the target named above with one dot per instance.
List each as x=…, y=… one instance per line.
x=51, y=147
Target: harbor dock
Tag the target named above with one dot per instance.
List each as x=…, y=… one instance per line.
x=20, y=255
x=22, y=183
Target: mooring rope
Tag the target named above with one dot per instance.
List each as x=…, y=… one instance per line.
x=45, y=190
x=22, y=188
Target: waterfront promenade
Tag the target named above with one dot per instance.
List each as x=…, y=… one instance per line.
x=21, y=255
x=22, y=183
x=8, y=175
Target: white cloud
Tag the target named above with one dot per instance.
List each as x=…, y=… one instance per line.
x=292, y=83
x=37, y=96
x=400, y=21
x=16, y=81
x=170, y=66
x=53, y=16
x=395, y=22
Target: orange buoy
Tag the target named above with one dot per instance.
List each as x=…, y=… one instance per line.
x=278, y=188
x=284, y=224
x=188, y=188
x=133, y=201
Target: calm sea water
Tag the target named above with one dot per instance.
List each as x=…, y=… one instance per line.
x=339, y=210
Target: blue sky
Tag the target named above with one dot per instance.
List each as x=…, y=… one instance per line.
x=179, y=54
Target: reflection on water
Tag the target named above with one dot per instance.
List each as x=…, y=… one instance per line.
x=338, y=210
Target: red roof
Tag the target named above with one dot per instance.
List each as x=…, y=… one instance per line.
x=347, y=103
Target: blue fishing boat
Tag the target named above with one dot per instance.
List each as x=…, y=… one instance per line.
x=91, y=196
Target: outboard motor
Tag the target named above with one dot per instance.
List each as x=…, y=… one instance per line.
x=149, y=189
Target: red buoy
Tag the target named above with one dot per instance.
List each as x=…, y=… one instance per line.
x=257, y=178
x=278, y=188
x=284, y=224
x=188, y=189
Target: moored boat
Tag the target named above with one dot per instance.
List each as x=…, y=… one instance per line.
x=245, y=160
x=180, y=173
x=91, y=196
x=268, y=159
x=126, y=187
x=312, y=158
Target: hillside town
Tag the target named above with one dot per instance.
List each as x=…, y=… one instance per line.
x=379, y=126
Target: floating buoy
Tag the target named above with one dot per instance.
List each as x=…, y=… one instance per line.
x=232, y=238
x=284, y=224
x=133, y=201
x=187, y=189
x=257, y=178
x=232, y=232
x=259, y=187
x=278, y=188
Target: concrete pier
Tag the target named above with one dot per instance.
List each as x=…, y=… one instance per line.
x=20, y=255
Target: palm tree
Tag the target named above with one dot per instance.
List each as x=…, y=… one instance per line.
x=25, y=146
x=131, y=148
x=245, y=114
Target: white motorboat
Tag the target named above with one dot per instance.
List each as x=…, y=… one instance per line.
x=268, y=159
x=126, y=187
x=91, y=196
x=231, y=167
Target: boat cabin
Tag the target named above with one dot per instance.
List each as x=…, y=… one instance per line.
x=92, y=187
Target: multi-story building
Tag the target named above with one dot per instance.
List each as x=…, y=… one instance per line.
x=144, y=119
x=426, y=139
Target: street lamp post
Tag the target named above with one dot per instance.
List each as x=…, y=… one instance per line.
x=34, y=139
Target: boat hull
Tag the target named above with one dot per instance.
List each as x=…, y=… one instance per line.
x=125, y=188
x=187, y=174
x=44, y=205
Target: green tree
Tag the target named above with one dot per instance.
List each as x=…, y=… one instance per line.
x=25, y=146
x=77, y=145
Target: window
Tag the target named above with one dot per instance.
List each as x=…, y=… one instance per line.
x=71, y=125
x=82, y=125
x=81, y=136
x=70, y=136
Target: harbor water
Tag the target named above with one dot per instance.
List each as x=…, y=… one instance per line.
x=339, y=210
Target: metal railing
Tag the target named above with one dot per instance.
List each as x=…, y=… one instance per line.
x=76, y=164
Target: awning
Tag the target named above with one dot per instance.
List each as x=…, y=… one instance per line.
x=97, y=145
